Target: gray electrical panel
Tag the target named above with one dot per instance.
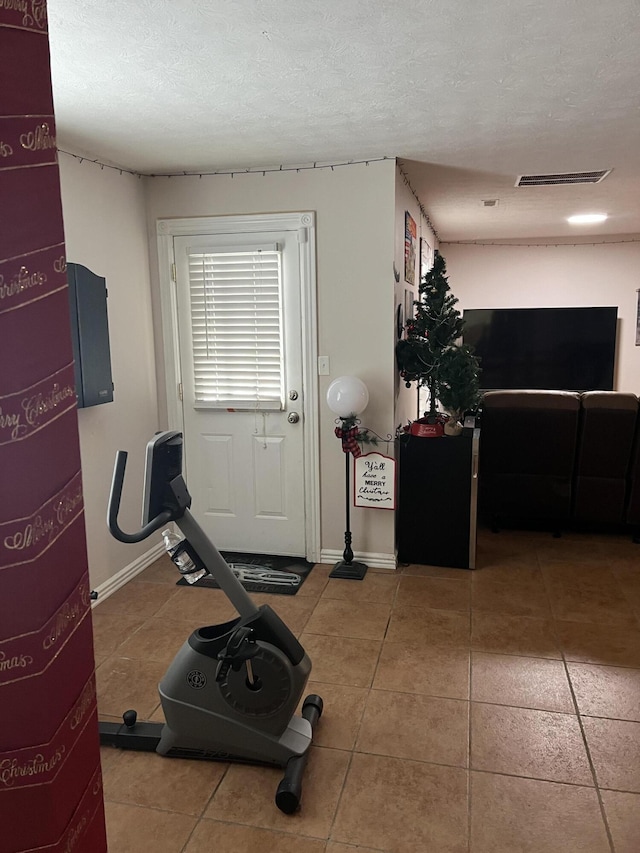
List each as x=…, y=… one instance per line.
x=90, y=336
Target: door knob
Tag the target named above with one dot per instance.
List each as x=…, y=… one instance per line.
x=293, y=418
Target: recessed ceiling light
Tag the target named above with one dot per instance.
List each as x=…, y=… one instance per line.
x=587, y=218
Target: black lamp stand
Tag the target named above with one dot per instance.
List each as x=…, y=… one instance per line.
x=347, y=568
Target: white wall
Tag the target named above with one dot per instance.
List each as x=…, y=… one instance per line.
x=508, y=276
x=360, y=230
x=105, y=230
x=354, y=208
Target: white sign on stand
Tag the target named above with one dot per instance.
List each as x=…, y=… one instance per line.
x=374, y=481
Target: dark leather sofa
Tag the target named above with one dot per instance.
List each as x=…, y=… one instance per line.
x=606, y=434
x=559, y=459
x=632, y=515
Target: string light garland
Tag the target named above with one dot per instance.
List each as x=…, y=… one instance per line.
x=424, y=213
x=260, y=171
x=536, y=245
x=222, y=172
x=120, y=169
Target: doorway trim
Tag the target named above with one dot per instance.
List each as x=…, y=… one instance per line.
x=304, y=224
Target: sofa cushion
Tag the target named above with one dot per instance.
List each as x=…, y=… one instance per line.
x=527, y=449
x=605, y=440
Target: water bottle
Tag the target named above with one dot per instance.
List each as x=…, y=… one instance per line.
x=179, y=552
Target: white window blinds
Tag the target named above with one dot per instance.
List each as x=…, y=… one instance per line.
x=236, y=325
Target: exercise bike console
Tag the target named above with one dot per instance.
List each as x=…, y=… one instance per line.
x=253, y=668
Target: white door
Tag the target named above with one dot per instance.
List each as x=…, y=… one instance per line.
x=241, y=352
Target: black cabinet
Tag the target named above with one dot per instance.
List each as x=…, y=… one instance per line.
x=90, y=336
x=438, y=500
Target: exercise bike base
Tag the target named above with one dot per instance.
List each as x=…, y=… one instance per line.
x=145, y=737
x=142, y=737
x=290, y=788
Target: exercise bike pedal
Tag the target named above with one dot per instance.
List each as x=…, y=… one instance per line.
x=240, y=648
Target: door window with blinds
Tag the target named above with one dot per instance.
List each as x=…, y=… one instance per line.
x=236, y=327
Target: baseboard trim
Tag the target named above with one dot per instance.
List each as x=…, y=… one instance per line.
x=115, y=582
x=374, y=561
x=328, y=557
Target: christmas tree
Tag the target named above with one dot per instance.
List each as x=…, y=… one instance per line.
x=430, y=354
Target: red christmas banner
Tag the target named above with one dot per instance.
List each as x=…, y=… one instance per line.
x=27, y=141
x=23, y=344
x=39, y=589
x=39, y=765
x=50, y=770
x=26, y=15
x=23, y=488
x=31, y=409
x=66, y=664
x=30, y=201
x=33, y=653
x=50, y=779
x=85, y=831
x=24, y=67
x=31, y=277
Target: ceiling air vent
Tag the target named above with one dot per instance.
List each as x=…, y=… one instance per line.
x=561, y=179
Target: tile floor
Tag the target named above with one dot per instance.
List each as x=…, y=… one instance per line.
x=494, y=711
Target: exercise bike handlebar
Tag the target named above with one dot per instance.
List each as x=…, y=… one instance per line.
x=114, y=507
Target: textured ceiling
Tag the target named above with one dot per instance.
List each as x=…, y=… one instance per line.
x=468, y=96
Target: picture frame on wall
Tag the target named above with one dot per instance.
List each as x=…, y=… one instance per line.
x=410, y=238
x=408, y=305
x=426, y=257
x=399, y=320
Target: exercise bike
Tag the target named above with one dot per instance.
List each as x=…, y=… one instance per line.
x=232, y=690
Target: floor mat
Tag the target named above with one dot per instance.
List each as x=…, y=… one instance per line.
x=262, y=573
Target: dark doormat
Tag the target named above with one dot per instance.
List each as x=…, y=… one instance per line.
x=262, y=573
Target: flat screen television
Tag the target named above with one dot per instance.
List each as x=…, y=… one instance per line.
x=561, y=349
